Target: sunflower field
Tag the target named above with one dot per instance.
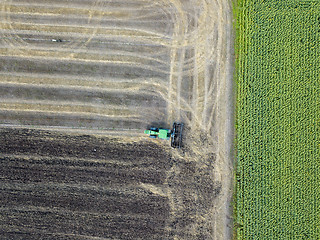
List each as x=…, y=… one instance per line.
x=278, y=119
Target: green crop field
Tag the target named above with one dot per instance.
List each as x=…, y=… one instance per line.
x=278, y=119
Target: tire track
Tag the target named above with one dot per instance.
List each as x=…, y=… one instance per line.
x=205, y=113
x=83, y=55
x=81, y=82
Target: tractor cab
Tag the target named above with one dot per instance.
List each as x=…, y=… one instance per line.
x=175, y=134
x=158, y=133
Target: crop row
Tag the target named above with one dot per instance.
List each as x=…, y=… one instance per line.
x=278, y=112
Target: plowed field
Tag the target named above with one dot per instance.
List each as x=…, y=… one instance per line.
x=100, y=72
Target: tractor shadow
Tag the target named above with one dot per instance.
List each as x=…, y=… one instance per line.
x=185, y=133
x=163, y=125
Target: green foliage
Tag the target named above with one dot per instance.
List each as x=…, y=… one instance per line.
x=278, y=120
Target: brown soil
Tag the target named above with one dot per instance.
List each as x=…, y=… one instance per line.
x=81, y=186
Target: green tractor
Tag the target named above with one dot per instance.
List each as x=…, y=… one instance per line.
x=175, y=134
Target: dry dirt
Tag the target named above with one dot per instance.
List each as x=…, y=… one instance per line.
x=120, y=67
